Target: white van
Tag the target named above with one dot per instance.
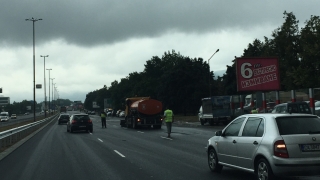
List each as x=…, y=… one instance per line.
x=4, y=116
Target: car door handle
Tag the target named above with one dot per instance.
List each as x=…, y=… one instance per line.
x=234, y=141
x=255, y=142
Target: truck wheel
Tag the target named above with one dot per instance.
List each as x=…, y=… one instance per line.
x=128, y=125
x=134, y=124
x=202, y=122
x=211, y=122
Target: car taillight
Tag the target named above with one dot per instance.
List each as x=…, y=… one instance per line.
x=73, y=122
x=280, y=149
x=90, y=121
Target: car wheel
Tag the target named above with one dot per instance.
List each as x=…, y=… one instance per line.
x=263, y=170
x=71, y=130
x=91, y=130
x=213, y=161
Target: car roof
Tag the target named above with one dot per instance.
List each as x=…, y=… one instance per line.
x=275, y=115
x=79, y=114
x=299, y=102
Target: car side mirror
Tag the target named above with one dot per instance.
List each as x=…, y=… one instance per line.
x=218, y=133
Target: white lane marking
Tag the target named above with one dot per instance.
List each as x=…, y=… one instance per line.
x=166, y=138
x=119, y=153
x=100, y=140
x=140, y=132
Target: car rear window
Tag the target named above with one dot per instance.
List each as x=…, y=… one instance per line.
x=299, y=108
x=64, y=116
x=81, y=117
x=298, y=125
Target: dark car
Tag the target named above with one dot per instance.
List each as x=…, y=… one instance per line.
x=78, y=122
x=292, y=107
x=63, y=118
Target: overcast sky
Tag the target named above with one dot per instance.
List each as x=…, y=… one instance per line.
x=92, y=43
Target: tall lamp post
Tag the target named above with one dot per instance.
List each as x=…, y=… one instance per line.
x=51, y=92
x=55, y=95
x=53, y=84
x=49, y=89
x=34, y=59
x=210, y=71
x=44, y=84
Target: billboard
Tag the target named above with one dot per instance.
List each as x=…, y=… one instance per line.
x=257, y=74
x=95, y=105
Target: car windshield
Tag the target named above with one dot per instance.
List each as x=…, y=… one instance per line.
x=3, y=114
x=298, y=125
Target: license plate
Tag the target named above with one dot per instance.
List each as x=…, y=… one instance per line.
x=82, y=126
x=310, y=147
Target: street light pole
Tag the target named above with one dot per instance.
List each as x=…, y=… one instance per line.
x=44, y=84
x=51, y=92
x=49, y=89
x=54, y=96
x=210, y=71
x=34, y=59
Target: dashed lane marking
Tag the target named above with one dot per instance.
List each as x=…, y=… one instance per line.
x=140, y=132
x=166, y=138
x=100, y=140
x=119, y=153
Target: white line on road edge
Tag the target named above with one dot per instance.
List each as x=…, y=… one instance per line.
x=100, y=140
x=166, y=138
x=119, y=153
x=140, y=132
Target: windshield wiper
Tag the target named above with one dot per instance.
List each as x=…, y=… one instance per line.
x=314, y=132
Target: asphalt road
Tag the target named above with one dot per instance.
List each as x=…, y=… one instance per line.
x=115, y=153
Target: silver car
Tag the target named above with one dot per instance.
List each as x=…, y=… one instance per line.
x=268, y=145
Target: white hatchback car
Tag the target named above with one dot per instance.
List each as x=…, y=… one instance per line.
x=268, y=145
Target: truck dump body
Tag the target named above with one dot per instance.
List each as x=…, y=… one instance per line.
x=147, y=106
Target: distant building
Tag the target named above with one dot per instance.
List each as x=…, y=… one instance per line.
x=4, y=101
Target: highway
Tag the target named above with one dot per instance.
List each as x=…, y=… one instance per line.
x=115, y=153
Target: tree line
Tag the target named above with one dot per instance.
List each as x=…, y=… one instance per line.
x=180, y=82
x=22, y=107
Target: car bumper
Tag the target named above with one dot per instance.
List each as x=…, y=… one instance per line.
x=81, y=127
x=296, y=166
x=63, y=121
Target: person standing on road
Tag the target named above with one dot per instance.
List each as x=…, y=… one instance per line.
x=103, y=119
x=169, y=118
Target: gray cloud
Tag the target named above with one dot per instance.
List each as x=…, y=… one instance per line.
x=95, y=22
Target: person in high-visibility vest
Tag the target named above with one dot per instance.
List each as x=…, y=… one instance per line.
x=169, y=118
x=103, y=119
x=254, y=111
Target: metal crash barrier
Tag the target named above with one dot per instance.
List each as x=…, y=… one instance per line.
x=12, y=136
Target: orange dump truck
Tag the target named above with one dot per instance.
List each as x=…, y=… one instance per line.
x=142, y=111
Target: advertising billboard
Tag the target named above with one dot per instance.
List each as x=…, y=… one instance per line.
x=257, y=74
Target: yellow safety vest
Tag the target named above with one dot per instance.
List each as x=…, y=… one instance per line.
x=103, y=115
x=168, y=113
x=254, y=111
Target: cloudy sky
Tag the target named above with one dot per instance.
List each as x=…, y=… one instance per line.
x=92, y=43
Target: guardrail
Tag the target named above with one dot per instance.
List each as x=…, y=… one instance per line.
x=11, y=136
